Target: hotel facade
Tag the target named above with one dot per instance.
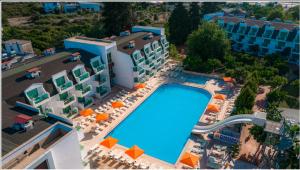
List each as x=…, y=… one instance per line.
x=261, y=37
x=54, y=89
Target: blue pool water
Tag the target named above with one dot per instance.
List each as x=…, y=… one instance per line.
x=162, y=124
x=196, y=79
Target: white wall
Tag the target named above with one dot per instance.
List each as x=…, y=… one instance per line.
x=66, y=154
x=123, y=68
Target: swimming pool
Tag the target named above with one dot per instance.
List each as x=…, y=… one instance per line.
x=162, y=124
x=196, y=78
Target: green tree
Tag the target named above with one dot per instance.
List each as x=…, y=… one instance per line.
x=210, y=7
x=118, y=16
x=276, y=96
x=276, y=13
x=173, y=52
x=278, y=81
x=179, y=25
x=258, y=134
x=213, y=64
x=273, y=113
x=294, y=12
x=211, y=39
x=245, y=99
x=195, y=15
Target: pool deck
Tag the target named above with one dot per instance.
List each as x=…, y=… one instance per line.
x=92, y=140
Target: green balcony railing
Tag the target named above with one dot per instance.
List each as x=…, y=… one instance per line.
x=87, y=102
x=41, y=98
x=66, y=85
x=69, y=100
x=101, y=90
x=84, y=76
x=86, y=89
x=100, y=68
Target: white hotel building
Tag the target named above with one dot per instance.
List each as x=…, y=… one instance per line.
x=51, y=91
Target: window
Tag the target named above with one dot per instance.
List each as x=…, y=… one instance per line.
x=229, y=27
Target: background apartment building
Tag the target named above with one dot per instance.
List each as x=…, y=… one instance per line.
x=260, y=37
x=18, y=47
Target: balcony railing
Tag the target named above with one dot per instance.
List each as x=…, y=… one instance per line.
x=102, y=90
x=41, y=98
x=84, y=76
x=87, y=102
x=66, y=85
x=140, y=70
x=84, y=89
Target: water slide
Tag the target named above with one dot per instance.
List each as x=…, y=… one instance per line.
x=257, y=118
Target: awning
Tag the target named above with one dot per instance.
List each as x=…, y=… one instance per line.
x=134, y=152
x=34, y=69
x=220, y=96
x=21, y=118
x=86, y=112
x=117, y=104
x=109, y=142
x=102, y=117
x=213, y=108
x=190, y=159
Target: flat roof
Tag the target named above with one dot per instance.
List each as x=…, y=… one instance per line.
x=290, y=114
x=13, y=87
x=140, y=41
x=17, y=41
x=273, y=127
x=87, y=40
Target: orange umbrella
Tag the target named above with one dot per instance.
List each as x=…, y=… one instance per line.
x=220, y=96
x=228, y=79
x=109, y=142
x=86, y=112
x=134, y=152
x=117, y=104
x=101, y=117
x=140, y=86
x=213, y=108
x=190, y=159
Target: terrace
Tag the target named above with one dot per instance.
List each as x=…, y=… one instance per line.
x=102, y=90
x=36, y=94
x=61, y=81
x=25, y=154
x=97, y=65
x=83, y=89
x=67, y=98
x=80, y=73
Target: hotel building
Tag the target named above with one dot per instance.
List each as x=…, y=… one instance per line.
x=260, y=37
x=41, y=98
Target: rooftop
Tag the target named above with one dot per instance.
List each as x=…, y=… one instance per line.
x=81, y=39
x=260, y=23
x=13, y=86
x=290, y=114
x=16, y=41
x=139, y=39
x=273, y=127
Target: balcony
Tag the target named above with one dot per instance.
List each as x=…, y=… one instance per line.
x=83, y=89
x=67, y=99
x=266, y=43
x=87, y=102
x=101, y=79
x=97, y=66
x=268, y=34
x=102, y=90
x=251, y=41
x=63, y=84
x=280, y=45
x=80, y=74
x=282, y=36
x=36, y=96
x=141, y=60
x=140, y=70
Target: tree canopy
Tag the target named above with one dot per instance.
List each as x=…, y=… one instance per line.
x=194, y=13
x=209, y=41
x=179, y=25
x=118, y=16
